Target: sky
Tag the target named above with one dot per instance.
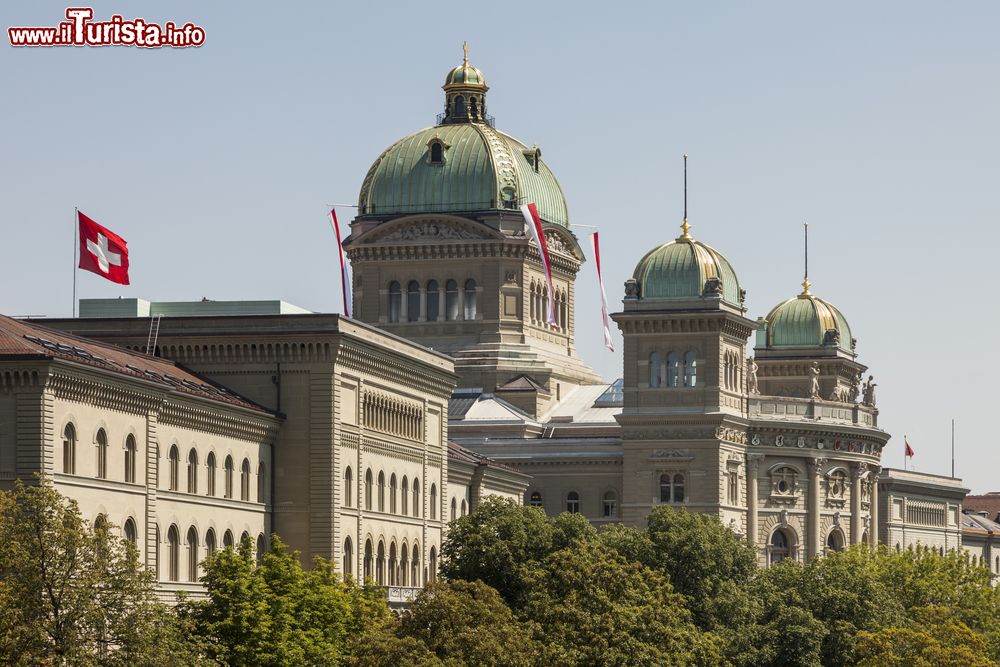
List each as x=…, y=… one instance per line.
x=876, y=123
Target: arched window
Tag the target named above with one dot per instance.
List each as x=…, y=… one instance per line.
x=690, y=370
x=192, y=471
x=210, y=464
x=156, y=550
x=673, y=370
x=395, y=301
x=130, y=454
x=101, y=522
x=459, y=106
x=610, y=505
x=348, y=486
x=392, y=493
x=210, y=544
x=433, y=302
x=245, y=480
x=416, y=498
x=69, y=449
x=451, y=300
x=433, y=564
x=129, y=531
x=244, y=536
x=381, y=491
x=415, y=566
x=173, y=554
x=470, y=299
x=672, y=488
x=454, y=508
x=835, y=540
x=380, y=564
x=175, y=461
x=348, y=560
x=102, y=454
x=654, y=370
x=779, y=548
x=261, y=548
x=404, y=565
x=531, y=302
x=229, y=477
x=404, y=495
x=192, y=543
x=413, y=301
x=261, y=483
x=434, y=500
x=368, y=489
x=535, y=499
x=573, y=502
x=227, y=540
x=437, y=153
x=464, y=508
x=368, y=560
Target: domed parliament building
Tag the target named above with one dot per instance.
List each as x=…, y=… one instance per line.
x=359, y=439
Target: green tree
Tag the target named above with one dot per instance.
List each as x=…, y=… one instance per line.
x=935, y=638
x=589, y=606
x=499, y=544
x=277, y=613
x=72, y=594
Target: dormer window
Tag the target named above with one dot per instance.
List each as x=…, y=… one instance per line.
x=534, y=157
x=435, y=151
x=508, y=198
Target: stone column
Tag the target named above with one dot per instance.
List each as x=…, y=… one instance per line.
x=873, y=512
x=404, y=304
x=423, y=304
x=383, y=301
x=857, y=474
x=812, y=526
x=440, y=298
x=753, y=466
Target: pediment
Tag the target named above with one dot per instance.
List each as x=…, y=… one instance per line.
x=428, y=229
x=560, y=240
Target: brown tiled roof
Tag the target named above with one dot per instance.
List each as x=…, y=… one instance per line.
x=23, y=340
x=989, y=503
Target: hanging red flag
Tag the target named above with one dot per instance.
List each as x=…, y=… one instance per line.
x=909, y=450
x=102, y=251
x=604, y=297
x=345, y=279
x=534, y=223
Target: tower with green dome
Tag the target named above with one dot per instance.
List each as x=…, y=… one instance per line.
x=440, y=255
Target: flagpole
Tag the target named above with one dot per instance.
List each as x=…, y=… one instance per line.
x=76, y=225
x=953, y=449
x=904, y=451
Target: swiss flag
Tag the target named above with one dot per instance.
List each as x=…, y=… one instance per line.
x=102, y=251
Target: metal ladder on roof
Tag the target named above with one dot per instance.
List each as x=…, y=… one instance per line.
x=154, y=333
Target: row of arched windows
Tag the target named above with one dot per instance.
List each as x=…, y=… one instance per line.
x=784, y=543
x=102, y=455
x=173, y=475
x=539, y=305
x=399, y=496
x=455, y=509
x=194, y=557
x=668, y=372
x=672, y=487
x=395, y=567
x=609, y=502
x=429, y=303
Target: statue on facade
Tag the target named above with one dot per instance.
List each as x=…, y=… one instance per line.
x=631, y=289
x=814, y=380
x=752, y=387
x=869, y=391
x=856, y=387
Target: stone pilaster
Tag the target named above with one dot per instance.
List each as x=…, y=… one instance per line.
x=812, y=526
x=753, y=467
x=858, y=471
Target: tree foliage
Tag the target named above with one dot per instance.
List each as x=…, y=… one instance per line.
x=75, y=594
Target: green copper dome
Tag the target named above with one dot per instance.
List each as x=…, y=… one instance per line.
x=808, y=321
x=465, y=75
x=480, y=169
x=686, y=269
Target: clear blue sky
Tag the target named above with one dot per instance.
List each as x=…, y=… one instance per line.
x=875, y=122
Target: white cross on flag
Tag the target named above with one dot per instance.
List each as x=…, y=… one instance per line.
x=102, y=251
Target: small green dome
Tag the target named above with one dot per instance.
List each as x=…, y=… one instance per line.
x=808, y=321
x=687, y=269
x=480, y=169
x=465, y=75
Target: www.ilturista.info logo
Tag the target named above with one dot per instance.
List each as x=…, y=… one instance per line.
x=79, y=30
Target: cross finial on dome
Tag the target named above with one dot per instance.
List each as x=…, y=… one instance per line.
x=684, y=225
x=465, y=53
